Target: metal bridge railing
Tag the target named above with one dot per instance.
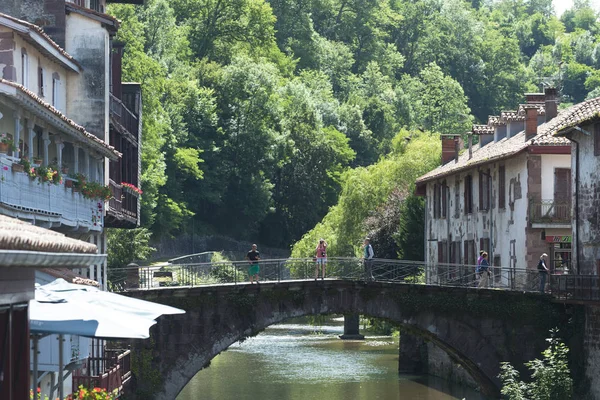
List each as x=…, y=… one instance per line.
x=277, y=270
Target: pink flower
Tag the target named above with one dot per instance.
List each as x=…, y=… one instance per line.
x=5, y=168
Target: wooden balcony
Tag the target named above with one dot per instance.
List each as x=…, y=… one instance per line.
x=53, y=205
x=125, y=121
x=115, y=375
x=550, y=213
x=122, y=211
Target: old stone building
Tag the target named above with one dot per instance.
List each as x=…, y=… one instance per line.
x=508, y=195
x=582, y=128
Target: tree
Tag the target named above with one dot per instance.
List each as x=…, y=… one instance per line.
x=127, y=245
x=551, y=377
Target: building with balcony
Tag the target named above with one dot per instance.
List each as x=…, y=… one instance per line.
x=509, y=195
x=70, y=137
x=582, y=128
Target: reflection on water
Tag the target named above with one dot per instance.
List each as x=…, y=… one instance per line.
x=290, y=362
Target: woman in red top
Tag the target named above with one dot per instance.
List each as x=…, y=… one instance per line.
x=321, y=258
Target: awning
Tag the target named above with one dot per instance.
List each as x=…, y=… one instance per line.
x=67, y=308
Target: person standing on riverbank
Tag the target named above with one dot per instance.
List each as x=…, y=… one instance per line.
x=253, y=256
x=321, y=259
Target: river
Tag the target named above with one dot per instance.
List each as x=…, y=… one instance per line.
x=291, y=362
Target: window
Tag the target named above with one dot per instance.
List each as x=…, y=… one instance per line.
x=41, y=81
x=455, y=253
x=95, y=5
x=444, y=194
x=597, y=139
x=56, y=90
x=442, y=252
x=456, y=197
x=562, y=193
x=501, y=187
x=440, y=200
x=469, y=252
x=484, y=244
x=484, y=190
x=24, y=68
x=468, y=194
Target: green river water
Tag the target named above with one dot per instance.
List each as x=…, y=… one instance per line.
x=290, y=362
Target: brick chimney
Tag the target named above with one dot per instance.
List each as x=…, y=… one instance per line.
x=551, y=103
x=451, y=146
x=534, y=98
x=530, y=122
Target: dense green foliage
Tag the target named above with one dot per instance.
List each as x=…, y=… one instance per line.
x=550, y=377
x=254, y=110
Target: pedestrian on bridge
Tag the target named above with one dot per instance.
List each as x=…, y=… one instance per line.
x=543, y=271
x=484, y=270
x=321, y=258
x=368, y=255
x=253, y=256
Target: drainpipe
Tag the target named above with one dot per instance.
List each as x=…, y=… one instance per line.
x=576, y=230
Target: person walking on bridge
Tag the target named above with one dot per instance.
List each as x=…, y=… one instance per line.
x=543, y=271
x=321, y=258
x=253, y=256
x=484, y=269
x=368, y=255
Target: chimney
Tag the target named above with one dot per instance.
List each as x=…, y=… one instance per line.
x=530, y=122
x=534, y=98
x=551, y=103
x=470, y=145
x=450, y=147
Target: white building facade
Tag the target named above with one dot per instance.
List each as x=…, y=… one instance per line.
x=508, y=195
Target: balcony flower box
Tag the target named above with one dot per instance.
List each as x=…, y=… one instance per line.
x=132, y=189
x=16, y=167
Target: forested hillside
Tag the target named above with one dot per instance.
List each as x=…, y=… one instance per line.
x=255, y=111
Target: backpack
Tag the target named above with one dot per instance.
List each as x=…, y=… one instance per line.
x=541, y=266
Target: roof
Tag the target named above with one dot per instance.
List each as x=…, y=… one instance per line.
x=581, y=112
x=504, y=148
x=19, y=235
x=106, y=149
x=37, y=37
x=483, y=130
x=93, y=14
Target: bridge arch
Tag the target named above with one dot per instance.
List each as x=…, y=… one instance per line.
x=477, y=328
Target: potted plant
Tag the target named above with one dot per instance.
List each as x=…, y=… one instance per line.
x=6, y=143
x=77, y=181
x=18, y=167
x=38, y=160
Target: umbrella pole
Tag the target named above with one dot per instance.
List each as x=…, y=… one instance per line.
x=61, y=394
x=34, y=378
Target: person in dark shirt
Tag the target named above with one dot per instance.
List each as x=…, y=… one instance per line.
x=253, y=256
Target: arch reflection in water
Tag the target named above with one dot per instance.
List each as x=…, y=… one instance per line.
x=291, y=362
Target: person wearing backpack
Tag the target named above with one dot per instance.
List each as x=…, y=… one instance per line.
x=484, y=270
x=543, y=271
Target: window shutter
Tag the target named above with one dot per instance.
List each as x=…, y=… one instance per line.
x=501, y=187
x=597, y=139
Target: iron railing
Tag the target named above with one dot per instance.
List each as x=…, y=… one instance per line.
x=114, y=376
x=576, y=287
x=550, y=212
x=276, y=270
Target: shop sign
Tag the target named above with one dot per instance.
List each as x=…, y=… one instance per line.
x=559, y=239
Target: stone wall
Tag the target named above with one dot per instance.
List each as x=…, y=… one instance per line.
x=441, y=365
x=591, y=345
x=47, y=14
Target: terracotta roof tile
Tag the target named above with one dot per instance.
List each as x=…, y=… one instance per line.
x=483, y=130
x=495, y=120
x=510, y=116
x=70, y=276
x=19, y=235
x=87, y=135
x=504, y=148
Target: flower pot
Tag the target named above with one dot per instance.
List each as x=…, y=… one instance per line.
x=18, y=167
x=38, y=161
x=69, y=184
x=4, y=148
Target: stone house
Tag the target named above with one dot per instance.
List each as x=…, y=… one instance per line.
x=64, y=109
x=508, y=195
x=582, y=128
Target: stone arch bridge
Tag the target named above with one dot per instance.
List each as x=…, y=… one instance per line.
x=477, y=328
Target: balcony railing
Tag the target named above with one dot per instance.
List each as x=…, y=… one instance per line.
x=550, y=212
x=124, y=116
x=115, y=375
x=57, y=204
x=122, y=206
